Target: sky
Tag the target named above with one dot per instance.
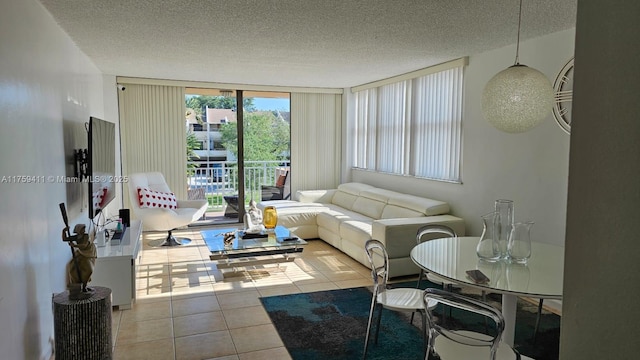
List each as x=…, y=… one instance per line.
x=271, y=104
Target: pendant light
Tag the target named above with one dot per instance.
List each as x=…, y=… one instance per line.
x=518, y=98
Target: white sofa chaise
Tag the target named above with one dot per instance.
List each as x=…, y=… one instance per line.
x=353, y=213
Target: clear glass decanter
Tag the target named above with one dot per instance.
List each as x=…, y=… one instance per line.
x=519, y=248
x=503, y=223
x=487, y=248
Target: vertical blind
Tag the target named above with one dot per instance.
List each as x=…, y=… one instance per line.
x=437, y=139
x=411, y=127
x=364, y=142
x=153, y=133
x=391, y=126
x=315, y=141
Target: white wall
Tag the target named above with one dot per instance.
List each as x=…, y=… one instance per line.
x=602, y=271
x=48, y=90
x=530, y=168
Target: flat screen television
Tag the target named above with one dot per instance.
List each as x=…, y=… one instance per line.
x=101, y=164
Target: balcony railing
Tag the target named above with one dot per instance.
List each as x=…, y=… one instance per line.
x=220, y=178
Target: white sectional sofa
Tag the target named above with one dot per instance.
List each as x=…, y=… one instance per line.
x=353, y=213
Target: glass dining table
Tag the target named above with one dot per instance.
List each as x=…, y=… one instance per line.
x=541, y=277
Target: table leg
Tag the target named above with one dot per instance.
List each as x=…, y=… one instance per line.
x=509, y=303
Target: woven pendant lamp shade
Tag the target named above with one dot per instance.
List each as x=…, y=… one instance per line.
x=517, y=99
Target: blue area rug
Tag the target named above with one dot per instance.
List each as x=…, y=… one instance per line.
x=332, y=325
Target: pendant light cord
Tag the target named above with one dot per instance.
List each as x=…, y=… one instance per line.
x=517, y=62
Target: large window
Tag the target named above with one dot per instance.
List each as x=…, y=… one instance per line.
x=230, y=174
x=412, y=125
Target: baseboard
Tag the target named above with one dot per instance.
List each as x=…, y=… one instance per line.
x=551, y=305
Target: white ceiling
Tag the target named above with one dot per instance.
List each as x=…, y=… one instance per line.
x=319, y=43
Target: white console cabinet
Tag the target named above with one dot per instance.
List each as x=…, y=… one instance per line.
x=116, y=266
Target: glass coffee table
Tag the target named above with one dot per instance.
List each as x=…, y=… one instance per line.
x=251, y=249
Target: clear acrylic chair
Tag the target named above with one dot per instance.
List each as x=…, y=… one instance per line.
x=451, y=343
x=398, y=299
x=430, y=232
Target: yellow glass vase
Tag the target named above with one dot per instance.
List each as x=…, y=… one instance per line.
x=270, y=217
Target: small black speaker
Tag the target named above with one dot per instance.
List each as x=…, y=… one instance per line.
x=124, y=215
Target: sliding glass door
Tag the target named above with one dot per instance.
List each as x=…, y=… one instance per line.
x=217, y=128
x=267, y=146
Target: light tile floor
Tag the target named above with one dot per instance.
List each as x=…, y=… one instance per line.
x=185, y=309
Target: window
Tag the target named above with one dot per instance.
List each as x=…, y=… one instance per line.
x=412, y=125
x=216, y=145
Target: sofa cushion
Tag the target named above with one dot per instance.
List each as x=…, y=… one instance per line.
x=335, y=215
x=331, y=221
x=348, y=193
x=329, y=237
x=393, y=211
x=349, y=213
x=304, y=231
x=315, y=196
x=354, y=235
x=356, y=229
x=381, y=195
x=290, y=205
x=292, y=213
x=343, y=199
x=354, y=188
x=429, y=207
x=301, y=217
x=369, y=207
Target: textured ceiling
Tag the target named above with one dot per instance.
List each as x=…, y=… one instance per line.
x=319, y=43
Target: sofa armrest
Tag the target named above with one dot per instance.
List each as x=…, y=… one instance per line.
x=319, y=196
x=399, y=235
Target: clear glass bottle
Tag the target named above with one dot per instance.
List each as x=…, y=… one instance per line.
x=487, y=248
x=503, y=223
x=270, y=217
x=519, y=248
